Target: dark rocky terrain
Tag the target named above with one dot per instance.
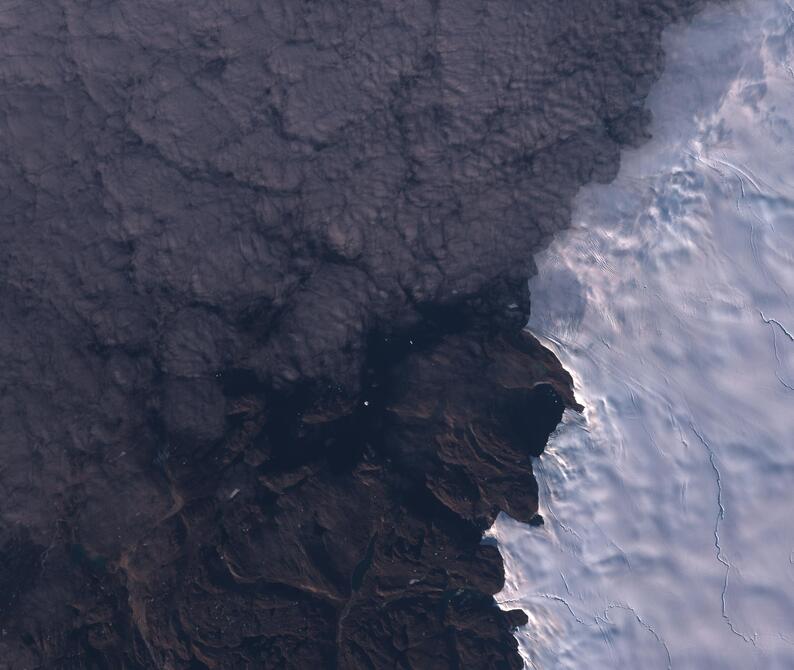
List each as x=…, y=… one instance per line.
x=263, y=283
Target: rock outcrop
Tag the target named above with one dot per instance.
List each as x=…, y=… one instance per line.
x=264, y=274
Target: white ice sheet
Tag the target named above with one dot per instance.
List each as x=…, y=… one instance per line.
x=669, y=505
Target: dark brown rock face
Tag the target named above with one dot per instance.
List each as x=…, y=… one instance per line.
x=263, y=277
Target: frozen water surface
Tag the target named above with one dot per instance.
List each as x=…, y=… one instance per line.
x=669, y=504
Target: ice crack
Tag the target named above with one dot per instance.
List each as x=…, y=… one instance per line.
x=772, y=323
x=560, y=599
x=644, y=624
x=717, y=545
x=548, y=596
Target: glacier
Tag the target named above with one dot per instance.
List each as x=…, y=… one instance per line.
x=669, y=502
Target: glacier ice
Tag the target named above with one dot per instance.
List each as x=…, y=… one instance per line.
x=669, y=503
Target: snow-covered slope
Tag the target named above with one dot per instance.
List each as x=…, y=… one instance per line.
x=669, y=505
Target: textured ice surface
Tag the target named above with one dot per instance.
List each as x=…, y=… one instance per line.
x=669, y=505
